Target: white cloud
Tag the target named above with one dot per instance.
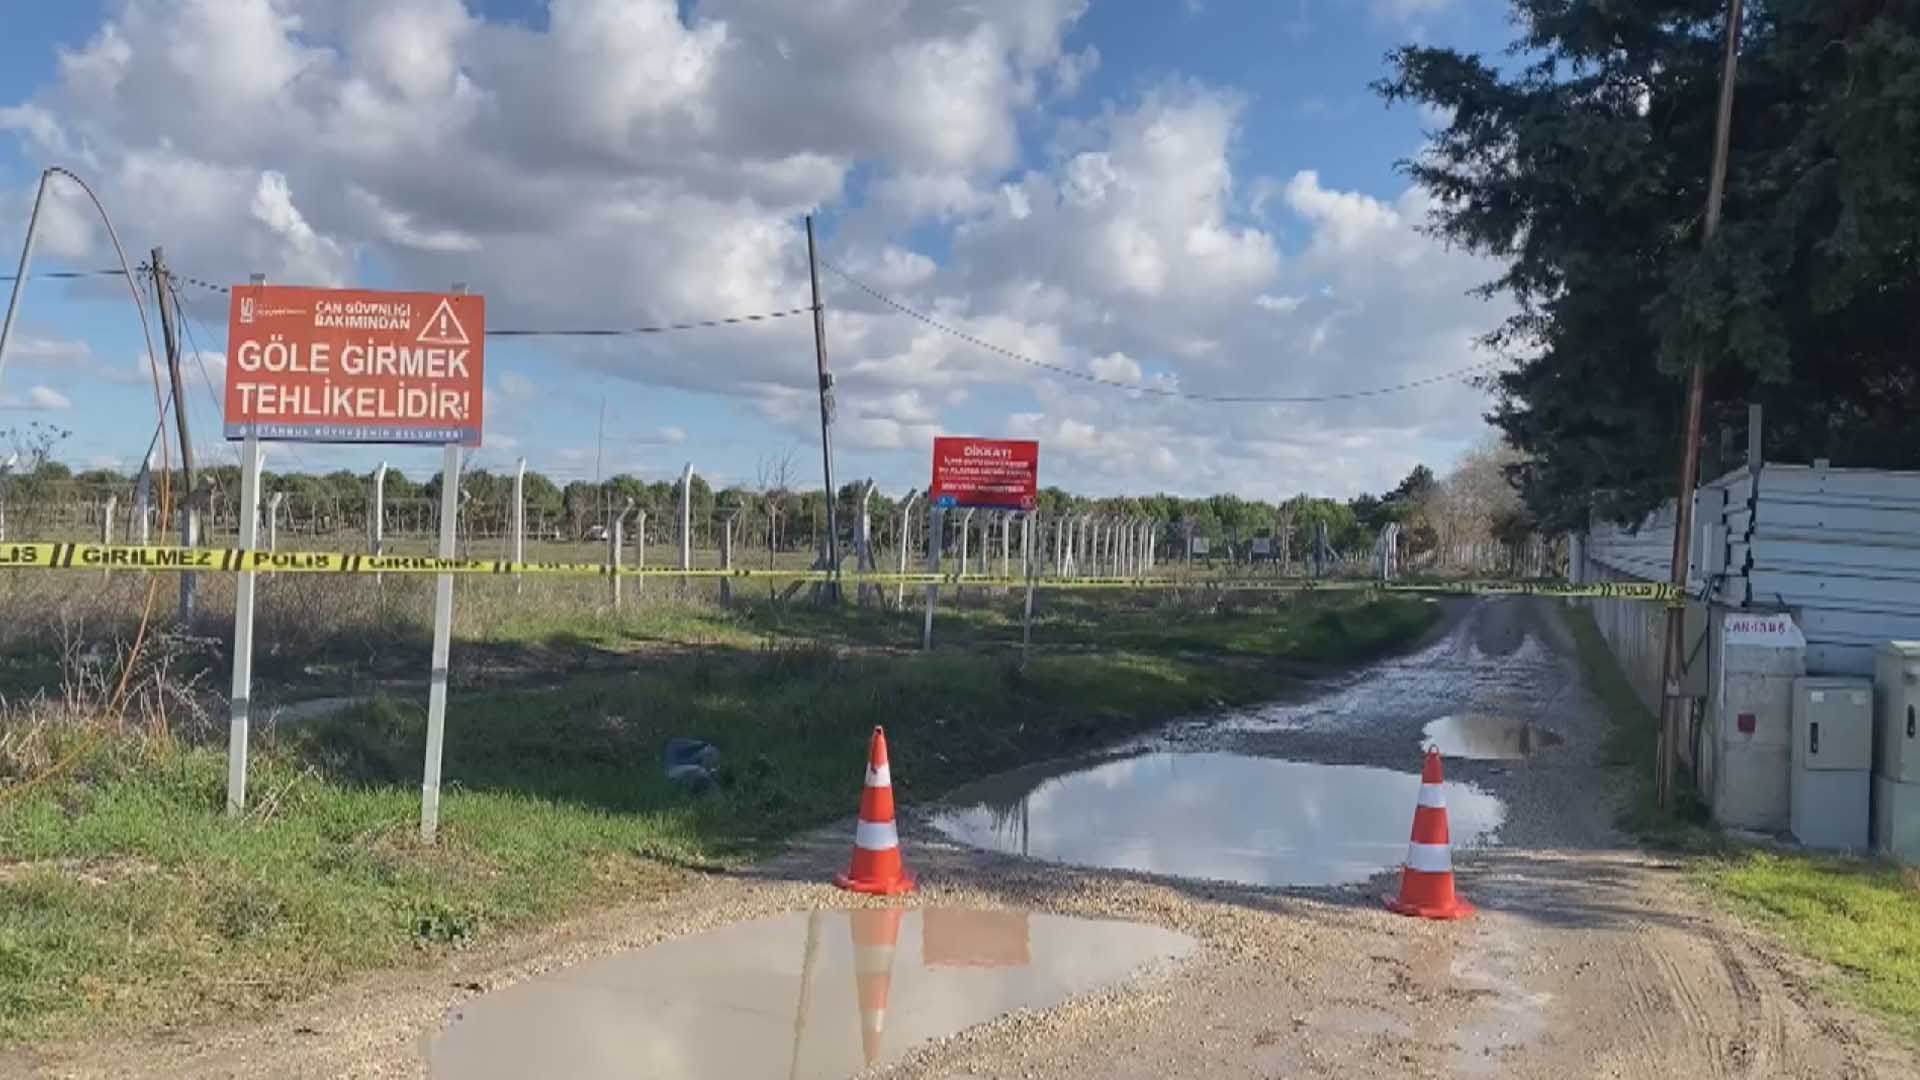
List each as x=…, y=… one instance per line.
x=1281, y=304
x=1115, y=367
x=51, y=352
x=1407, y=11
x=37, y=399
x=1073, y=69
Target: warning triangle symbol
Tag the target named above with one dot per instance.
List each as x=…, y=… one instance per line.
x=444, y=327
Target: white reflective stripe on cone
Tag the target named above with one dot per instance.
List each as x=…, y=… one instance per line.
x=1427, y=858
x=876, y=836
x=1433, y=795
x=873, y=960
x=873, y=1023
x=879, y=776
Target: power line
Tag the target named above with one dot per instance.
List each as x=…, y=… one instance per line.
x=69, y=275
x=1141, y=388
x=618, y=331
x=730, y=320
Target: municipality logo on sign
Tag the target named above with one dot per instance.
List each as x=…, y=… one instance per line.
x=246, y=309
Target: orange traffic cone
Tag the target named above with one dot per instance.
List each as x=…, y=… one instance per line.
x=876, y=865
x=875, y=933
x=1426, y=882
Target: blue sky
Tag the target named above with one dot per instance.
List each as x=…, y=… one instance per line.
x=1191, y=195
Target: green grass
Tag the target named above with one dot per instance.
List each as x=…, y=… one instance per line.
x=1862, y=917
x=128, y=899
x=1633, y=742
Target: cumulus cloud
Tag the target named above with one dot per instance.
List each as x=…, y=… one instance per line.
x=637, y=161
x=37, y=399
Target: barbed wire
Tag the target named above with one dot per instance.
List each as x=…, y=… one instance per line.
x=1145, y=388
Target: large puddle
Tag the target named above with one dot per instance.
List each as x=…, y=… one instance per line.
x=1487, y=737
x=1454, y=675
x=820, y=994
x=1254, y=820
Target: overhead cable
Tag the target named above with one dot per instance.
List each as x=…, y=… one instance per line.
x=618, y=331
x=1144, y=388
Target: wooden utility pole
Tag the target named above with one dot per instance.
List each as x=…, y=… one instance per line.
x=163, y=295
x=1674, y=656
x=826, y=417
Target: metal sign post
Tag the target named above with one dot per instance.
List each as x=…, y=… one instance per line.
x=442, y=645
x=442, y=603
x=241, y=713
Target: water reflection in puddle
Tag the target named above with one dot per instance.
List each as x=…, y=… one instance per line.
x=1453, y=675
x=1220, y=816
x=1486, y=737
x=820, y=994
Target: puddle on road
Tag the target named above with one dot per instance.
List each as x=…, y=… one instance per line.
x=820, y=994
x=1227, y=817
x=1453, y=675
x=1487, y=737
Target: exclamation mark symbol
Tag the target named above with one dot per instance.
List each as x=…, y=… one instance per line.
x=445, y=330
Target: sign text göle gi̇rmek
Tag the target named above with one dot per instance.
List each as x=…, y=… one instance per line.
x=351, y=365
x=996, y=474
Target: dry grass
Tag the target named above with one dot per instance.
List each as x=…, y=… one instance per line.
x=106, y=693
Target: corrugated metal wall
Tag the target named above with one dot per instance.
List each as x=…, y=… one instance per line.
x=1840, y=548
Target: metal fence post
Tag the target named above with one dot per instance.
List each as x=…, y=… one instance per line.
x=935, y=526
x=726, y=555
x=686, y=517
x=1026, y=571
x=519, y=513
x=273, y=520
x=616, y=541
x=377, y=512
x=904, y=542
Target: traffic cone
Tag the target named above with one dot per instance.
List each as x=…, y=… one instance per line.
x=876, y=865
x=875, y=933
x=1426, y=881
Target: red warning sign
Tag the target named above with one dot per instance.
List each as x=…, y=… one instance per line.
x=351, y=365
x=997, y=474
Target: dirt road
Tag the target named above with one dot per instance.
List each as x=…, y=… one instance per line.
x=1588, y=958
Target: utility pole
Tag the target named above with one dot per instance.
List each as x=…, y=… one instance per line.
x=1674, y=657
x=163, y=294
x=826, y=417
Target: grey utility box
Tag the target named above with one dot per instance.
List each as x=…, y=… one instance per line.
x=1760, y=656
x=1896, y=818
x=1896, y=713
x=1832, y=762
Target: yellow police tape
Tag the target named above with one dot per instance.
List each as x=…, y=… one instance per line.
x=41, y=556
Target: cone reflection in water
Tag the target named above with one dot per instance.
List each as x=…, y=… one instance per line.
x=875, y=934
x=1426, y=882
x=876, y=866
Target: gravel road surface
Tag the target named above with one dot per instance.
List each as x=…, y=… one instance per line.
x=1588, y=957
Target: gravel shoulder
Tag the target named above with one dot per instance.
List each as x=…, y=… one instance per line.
x=1589, y=958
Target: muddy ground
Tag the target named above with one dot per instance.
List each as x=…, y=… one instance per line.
x=1588, y=957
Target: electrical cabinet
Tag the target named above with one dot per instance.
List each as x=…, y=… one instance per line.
x=1896, y=717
